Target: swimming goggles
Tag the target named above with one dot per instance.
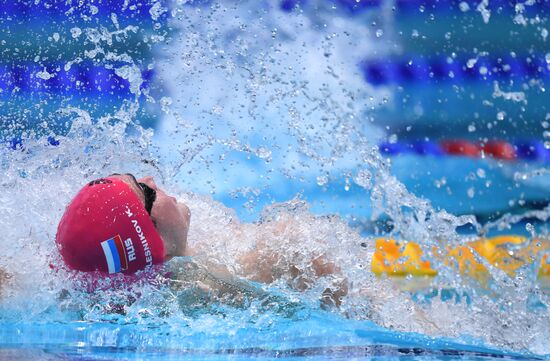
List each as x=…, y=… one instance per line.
x=149, y=193
x=150, y=196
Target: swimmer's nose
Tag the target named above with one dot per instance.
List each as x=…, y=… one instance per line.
x=150, y=181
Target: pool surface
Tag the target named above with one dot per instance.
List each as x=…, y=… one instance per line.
x=393, y=139
x=321, y=336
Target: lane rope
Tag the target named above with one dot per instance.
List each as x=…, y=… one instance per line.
x=525, y=150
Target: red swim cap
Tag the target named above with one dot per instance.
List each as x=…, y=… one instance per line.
x=106, y=228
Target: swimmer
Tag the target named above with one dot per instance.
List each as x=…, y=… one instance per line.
x=120, y=224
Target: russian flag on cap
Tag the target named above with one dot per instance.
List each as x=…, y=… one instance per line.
x=115, y=254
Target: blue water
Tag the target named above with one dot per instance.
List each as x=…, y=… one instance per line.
x=254, y=110
x=319, y=336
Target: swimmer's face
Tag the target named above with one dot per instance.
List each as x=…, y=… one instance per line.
x=170, y=217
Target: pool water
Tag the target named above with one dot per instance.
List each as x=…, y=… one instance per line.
x=267, y=118
x=320, y=336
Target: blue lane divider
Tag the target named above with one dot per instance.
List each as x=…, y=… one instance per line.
x=53, y=141
x=458, y=5
x=102, y=9
x=354, y=6
x=427, y=148
x=526, y=150
x=80, y=78
x=18, y=144
x=419, y=69
x=410, y=6
x=289, y=5
x=532, y=151
x=351, y=6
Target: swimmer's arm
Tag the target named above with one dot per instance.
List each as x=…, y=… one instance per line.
x=208, y=284
x=264, y=268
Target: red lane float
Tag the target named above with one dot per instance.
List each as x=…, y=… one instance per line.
x=500, y=150
x=525, y=150
x=461, y=147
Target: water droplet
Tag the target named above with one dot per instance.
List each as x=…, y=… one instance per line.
x=217, y=109
x=76, y=32
x=463, y=6
x=133, y=75
x=44, y=75
x=470, y=63
x=264, y=153
x=322, y=180
x=363, y=179
x=165, y=103
x=480, y=173
x=156, y=11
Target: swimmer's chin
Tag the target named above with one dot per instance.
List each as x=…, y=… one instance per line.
x=175, y=236
x=183, y=249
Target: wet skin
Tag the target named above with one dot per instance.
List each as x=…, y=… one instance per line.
x=170, y=217
x=172, y=222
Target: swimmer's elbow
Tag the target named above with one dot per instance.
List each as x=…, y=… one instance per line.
x=323, y=267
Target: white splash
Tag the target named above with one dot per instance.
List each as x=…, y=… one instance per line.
x=515, y=96
x=482, y=7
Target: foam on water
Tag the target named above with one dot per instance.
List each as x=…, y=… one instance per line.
x=258, y=100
